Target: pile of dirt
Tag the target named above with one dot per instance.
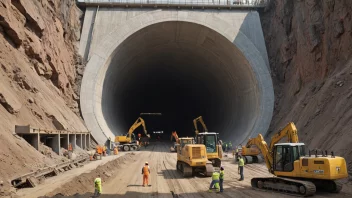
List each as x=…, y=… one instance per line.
x=80, y=152
x=309, y=47
x=48, y=152
x=85, y=183
x=37, y=77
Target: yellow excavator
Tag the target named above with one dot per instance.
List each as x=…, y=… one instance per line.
x=210, y=140
x=297, y=173
x=192, y=158
x=251, y=153
x=127, y=142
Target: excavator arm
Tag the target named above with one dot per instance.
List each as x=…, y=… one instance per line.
x=248, y=150
x=135, y=125
x=174, y=135
x=262, y=145
x=199, y=119
x=289, y=131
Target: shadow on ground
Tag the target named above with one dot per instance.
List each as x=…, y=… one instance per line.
x=133, y=194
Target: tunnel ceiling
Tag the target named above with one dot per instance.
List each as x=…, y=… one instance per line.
x=182, y=70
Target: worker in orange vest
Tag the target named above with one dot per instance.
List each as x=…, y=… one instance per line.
x=70, y=150
x=70, y=147
x=145, y=173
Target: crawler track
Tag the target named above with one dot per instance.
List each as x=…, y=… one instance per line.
x=284, y=185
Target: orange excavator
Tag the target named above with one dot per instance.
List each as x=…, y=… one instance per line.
x=177, y=141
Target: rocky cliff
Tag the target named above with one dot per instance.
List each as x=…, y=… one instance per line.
x=38, y=70
x=309, y=43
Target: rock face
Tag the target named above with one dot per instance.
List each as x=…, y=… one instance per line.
x=309, y=46
x=38, y=76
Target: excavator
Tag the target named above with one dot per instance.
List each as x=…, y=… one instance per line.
x=192, y=158
x=177, y=141
x=251, y=153
x=297, y=173
x=210, y=140
x=126, y=142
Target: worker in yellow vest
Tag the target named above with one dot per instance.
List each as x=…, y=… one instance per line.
x=240, y=167
x=97, y=186
x=116, y=151
x=145, y=173
x=215, y=178
x=222, y=173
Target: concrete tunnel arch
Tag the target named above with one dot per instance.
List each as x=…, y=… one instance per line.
x=219, y=69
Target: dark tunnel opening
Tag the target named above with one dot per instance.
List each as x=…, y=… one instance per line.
x=182, y=70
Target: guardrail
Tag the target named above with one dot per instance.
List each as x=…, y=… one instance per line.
x=178, y=3
x=28, y=129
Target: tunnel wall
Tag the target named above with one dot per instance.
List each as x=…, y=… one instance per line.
x=113, y=25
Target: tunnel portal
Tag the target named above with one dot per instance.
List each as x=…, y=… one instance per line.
x=183, y=70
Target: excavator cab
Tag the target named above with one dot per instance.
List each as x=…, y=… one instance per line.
x=214, y=151
x=286, y=154
x=209, y=140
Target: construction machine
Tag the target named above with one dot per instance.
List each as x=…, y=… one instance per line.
x=177, y=141
x=297, y=173
x=251, y=153
x=192, y=158
x=128, y=143
x=210, y=140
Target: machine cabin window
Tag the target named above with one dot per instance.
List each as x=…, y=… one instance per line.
x=209, y=141
x=284, y=158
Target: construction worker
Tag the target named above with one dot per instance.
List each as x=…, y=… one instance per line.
x=240, y=167
x=222, y=173
x=215, y=178
x=230, y=145
x=70, y=150
x=145, y=173
x=104, y=150
x=97, y=186
x=236, y=154
x=116, y=151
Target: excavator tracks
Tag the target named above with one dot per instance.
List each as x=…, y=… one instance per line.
x=209, y=169
x=331, y=186
x=185, y=169
x=284, y=185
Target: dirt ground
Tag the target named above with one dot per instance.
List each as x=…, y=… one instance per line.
x=122, y=178
x=65, y=178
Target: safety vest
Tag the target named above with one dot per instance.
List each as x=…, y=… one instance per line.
x=222, y=173
x=97, y=184
x=236, y=150
x=240, y=162
x=215, y=176
x=146, y=170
